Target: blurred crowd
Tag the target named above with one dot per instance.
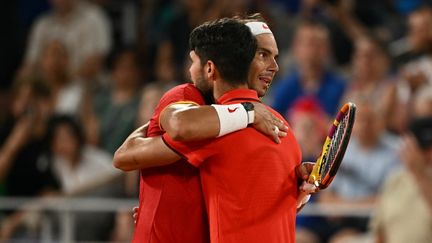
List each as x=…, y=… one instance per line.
x=78, y=76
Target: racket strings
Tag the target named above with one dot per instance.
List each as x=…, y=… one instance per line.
x=336, y=140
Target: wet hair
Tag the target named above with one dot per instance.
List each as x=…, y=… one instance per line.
x=229, y=44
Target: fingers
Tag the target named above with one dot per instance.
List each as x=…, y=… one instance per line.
x=280, y=124
x=309, y=166
x=275, y=134
x=135, y=214
x=269, y=124
x=304, y=169
x=308, y=188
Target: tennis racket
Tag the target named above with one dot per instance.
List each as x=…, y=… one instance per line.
x=333, y=150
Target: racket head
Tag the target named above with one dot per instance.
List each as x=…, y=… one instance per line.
x=334, y=147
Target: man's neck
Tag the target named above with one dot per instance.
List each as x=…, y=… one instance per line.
x=222, y=87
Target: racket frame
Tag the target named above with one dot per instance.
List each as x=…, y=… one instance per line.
x=349, y=110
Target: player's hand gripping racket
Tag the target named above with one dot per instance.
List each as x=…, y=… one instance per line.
x=333, y=150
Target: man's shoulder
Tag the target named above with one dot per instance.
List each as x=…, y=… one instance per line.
x=183, y=87
x=180, y=93
x=183, y=92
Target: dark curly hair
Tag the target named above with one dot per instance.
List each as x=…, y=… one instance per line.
x=229, y=44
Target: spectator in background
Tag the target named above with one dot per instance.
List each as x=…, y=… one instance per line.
x=26, y=139
x=112, y=113
x=22, y=171
x=404, y=209
x=83, y=171
x=54, y=70
x=416, y=70
x=370, y=68
x=418, y=39
x=312, y=77
x=79, y=167
x=415, y=67
x=165, y=80
x=368, y=161
x=82, y=27
x=309, y=124
x=175, y=20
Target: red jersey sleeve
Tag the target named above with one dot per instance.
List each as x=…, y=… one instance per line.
x=194, y=152
x=186, y=93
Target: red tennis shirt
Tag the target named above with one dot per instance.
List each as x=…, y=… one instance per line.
x=171, y=204
x=249, y=181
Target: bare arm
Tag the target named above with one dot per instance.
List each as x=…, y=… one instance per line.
x=139, y=152
x=189, y=122
x=183, y=122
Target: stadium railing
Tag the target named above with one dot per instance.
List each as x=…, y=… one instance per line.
x=66, y=207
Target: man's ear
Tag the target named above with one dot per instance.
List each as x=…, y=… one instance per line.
x=210, y=70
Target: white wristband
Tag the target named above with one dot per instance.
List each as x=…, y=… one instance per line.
x=231, y=118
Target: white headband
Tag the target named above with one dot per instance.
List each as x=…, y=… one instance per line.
x=258, y=28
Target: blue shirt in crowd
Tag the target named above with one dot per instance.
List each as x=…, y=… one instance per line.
x=288, y=90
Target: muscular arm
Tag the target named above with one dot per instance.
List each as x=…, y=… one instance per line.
x=139, y=152
x=185, y=122
x=189, y=122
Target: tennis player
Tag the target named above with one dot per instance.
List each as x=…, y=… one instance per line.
x=249, y=182
x=172, y=194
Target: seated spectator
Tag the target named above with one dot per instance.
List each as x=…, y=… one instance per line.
x=22, y=171
x=309, y=123
x=404, y=210
x=368, y=161
x=67, y=94
x=165, y=80
x=370, y=70
x=83, y=171
x=111, y=115
x=414, y=69
x=82, y=27
x=79, y=167
x=19, y=163
x=370, y=78
x=312, y=77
